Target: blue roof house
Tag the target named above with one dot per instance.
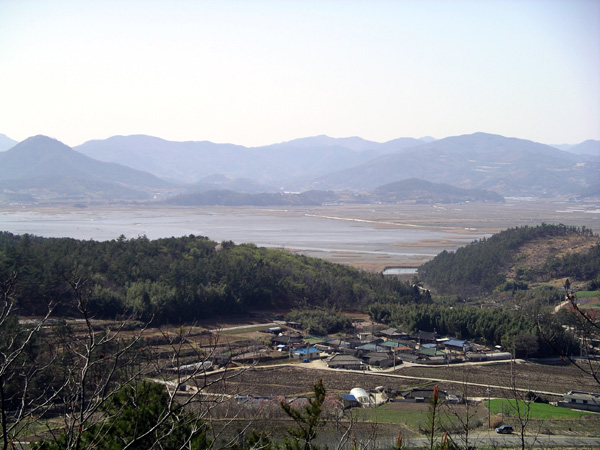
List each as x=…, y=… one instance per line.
x=457, y=345
x=307, y=353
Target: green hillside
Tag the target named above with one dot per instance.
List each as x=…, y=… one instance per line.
x=514, y=258
x=184, y=279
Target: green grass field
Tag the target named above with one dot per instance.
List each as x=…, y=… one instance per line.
x=587, y=294
x=387, y=414
x=542, y=411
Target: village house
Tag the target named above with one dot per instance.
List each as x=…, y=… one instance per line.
x=274, y=330
x=422, y=395
x=365, y=336
x=410, y=357
x=306, y=353
x=392, y=333
x=288, y=341
x=373, y=347
x=382, y=360
x=587, y=401
x=457, y=346
x=353, y=343
x=403, y=349
x=392, y=345
x=349, y=362
x=425, y=337
x=432, y=355
x=406, y=343
x=332, y=345
x=349, y=401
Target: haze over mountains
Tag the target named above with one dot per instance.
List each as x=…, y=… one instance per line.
x=509, y=166
x=295, y=161
x=44, y=168
x=6, y=142
x=143, y=167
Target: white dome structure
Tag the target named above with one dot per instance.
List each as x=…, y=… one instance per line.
x=361, y=396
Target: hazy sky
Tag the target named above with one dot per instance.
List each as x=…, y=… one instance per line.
x=255, y=72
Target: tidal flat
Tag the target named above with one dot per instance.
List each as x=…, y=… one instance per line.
x=371, y=237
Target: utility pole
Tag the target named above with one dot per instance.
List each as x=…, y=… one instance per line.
x=489, y=408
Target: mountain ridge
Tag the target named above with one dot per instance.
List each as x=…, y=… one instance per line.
x=6, y=142
x=50, y=168
x=507, y=166
x=190, y=161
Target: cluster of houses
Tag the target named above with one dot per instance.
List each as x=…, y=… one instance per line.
x=385, y=349
x=365, y=351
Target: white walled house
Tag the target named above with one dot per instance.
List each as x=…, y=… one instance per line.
x=581, y=400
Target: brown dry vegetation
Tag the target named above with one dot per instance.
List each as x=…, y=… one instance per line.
x=535, y=377
x=297, y=380
x=534, y=254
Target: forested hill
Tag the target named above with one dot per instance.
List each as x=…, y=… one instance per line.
x=423, y=191
x=515, y=257
x=184, y=279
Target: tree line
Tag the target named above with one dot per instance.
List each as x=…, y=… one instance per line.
x=177, y=280
x=514, y=329
x=80, y=385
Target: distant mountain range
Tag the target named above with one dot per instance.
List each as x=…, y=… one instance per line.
x=509, y=166
x=589, y=147
x=484, y=167
x=44, y=168
x=6, y=142
x=294, y=162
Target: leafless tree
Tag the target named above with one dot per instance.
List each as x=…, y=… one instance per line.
x=347, y=433
x=460, y=417
x=586, y=329
x=94, y=364
x=433, y=415
x=20, y=366
x=519, y=407
x=63, y=376
x=191, y=378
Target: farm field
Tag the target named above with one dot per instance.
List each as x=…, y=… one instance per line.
x=284, y=378
x=410, y=418
x=296, y=379
x=531, y=376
